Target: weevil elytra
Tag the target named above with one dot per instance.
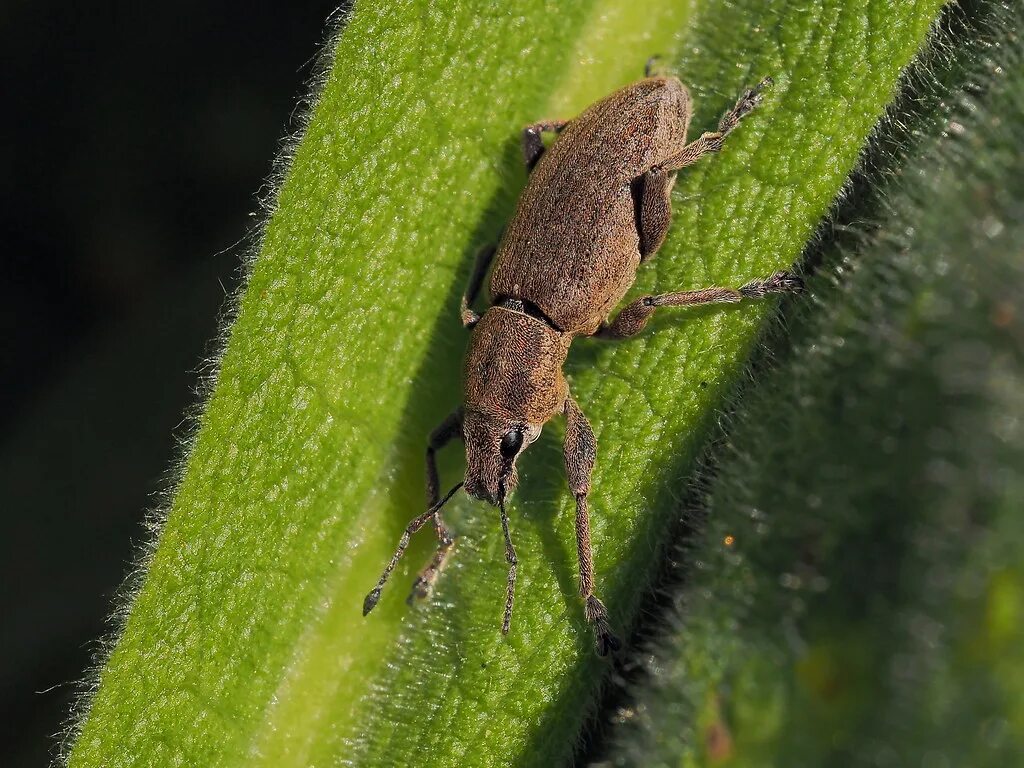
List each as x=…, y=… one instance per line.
x=597, y=204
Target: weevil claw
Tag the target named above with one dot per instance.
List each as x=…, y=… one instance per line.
x=607, y=643
x=421, y=590
x=791, y=283
x=597, y=615
x=371, y=601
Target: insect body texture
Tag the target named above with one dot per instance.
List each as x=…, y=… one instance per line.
x=597, y=204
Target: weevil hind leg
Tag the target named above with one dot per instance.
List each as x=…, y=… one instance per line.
x=533, y=140
x=713, y=141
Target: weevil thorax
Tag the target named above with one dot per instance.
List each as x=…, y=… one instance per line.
x=513, y=384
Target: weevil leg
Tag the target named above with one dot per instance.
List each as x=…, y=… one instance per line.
x=533, y=141
x=481, y=264
x=634, y=316
x=652, y=204
x=580, y=449
x=744, y=105
x=370, y=602
x=445, y=432
x=712, y=141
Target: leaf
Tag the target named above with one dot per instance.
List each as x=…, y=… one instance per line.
x=857, y=597
x=245, y=644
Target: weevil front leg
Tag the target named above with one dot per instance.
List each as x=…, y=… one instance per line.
x=448, y=429
x=634, y=316
x=481, y=264
x=533, y=141
x=712, y=141
x=580, y=450
x=445, y=432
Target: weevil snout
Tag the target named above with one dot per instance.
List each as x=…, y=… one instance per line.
x=492, y=446
x=492, y=485
x=479, y=491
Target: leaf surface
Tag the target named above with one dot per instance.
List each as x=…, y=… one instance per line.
x=245, y=644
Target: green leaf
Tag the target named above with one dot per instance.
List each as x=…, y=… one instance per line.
x=857, y=597
x=245, y=644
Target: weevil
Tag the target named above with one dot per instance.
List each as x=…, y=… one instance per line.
x=596, y=205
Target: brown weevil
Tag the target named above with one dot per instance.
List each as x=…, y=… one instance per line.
x=597, y=204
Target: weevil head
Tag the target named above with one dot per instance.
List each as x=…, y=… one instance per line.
x=513, y=384
x=493, y=445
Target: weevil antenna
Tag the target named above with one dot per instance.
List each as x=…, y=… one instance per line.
x=510, y=556
x=417, y=522
x=444, y=501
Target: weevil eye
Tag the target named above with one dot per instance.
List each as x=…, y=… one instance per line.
x=511, y=443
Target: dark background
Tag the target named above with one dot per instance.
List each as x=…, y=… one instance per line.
x=136, y=143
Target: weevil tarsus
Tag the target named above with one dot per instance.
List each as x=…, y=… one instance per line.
x=533, y=139
x=745, y=104
x=652, y=67
x=481, y=263
x=713, y=141
x=780, y=282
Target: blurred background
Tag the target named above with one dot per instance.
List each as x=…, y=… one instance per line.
x=137, y=143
